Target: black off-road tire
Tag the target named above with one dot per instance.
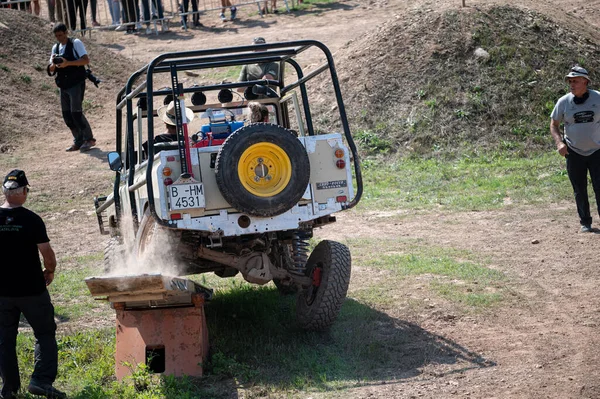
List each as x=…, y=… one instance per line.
x=114, y=254
x=318, y=306
x=230, y=156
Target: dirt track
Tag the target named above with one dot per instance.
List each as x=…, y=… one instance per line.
x=544, y=345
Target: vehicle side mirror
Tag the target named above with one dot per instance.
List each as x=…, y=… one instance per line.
x=114, y=161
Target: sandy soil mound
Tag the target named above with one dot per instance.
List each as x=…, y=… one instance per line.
x=417, y=82
x=28, y=96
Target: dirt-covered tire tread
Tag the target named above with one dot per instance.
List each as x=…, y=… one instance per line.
x=113, y=253
x=322, y=313
x=169, y=241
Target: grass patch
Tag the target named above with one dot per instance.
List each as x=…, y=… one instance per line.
x=257, y=347
x=477, y=182
x=229, y=74
x=70, y=295
x=459, y=276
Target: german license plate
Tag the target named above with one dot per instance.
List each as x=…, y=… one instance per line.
x=187, y=196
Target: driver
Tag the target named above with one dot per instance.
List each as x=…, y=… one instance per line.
x=167, y=114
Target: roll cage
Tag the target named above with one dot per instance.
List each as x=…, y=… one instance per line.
x=173, y=62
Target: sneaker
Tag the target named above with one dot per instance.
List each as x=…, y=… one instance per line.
x=222, y=16
x=121, y=28
x=586, y=228
x=138, y=26
x=72, y=147
x=46, y=390
x=95, y=23
x=164, y=26
x=149, y=31
x=233, y=12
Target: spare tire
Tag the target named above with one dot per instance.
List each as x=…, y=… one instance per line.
x=262, y=170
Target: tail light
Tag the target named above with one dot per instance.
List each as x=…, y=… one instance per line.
x=340, y=163
x=341, y=198
x=167, y=172
x=176, y=216
x=339, y=153
x=168, y=181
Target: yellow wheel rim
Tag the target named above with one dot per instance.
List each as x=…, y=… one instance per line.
x=265, y=169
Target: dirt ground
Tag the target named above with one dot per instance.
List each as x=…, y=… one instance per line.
x=544, y=347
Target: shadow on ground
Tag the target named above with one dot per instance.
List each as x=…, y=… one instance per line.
x=254, y=337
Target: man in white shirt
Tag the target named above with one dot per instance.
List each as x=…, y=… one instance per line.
x=579, y=111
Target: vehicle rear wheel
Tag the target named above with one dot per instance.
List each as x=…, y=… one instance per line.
x=329, y=267
x=262, y=170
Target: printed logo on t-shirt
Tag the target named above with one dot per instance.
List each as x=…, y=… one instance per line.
x=584, y=117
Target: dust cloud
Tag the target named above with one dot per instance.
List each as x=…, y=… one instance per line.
x=158, y=253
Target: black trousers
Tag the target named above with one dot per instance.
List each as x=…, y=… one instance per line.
x=186, y=7
x=577, y=168
x=73, y=6
x=71, y=103
x=39, y=312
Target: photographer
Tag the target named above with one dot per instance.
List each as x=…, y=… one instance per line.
x=67, y=62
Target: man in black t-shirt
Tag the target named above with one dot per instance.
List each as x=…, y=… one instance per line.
x=23, y=291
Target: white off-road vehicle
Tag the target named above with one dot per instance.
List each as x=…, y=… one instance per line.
x=230, y=196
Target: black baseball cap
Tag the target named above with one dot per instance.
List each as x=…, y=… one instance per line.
x=15, y=179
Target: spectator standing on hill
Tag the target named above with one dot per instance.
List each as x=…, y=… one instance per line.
x=153, y=9
x=579, y=111
x=75, y=7
x=55, y=10
x=23, y=291
x=114, y=7
x=68, y=61
x=36, y=7
x=274, y=10
x=232, y=8
x=195, y=16
x=94, y=9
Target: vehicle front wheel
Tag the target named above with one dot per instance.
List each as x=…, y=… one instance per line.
x=114, y=255
x=329, y=267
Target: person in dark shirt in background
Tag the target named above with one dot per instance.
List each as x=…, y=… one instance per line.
x=23, y=291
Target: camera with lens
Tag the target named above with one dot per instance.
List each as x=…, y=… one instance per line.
x=92, y=78
x=58, y=60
